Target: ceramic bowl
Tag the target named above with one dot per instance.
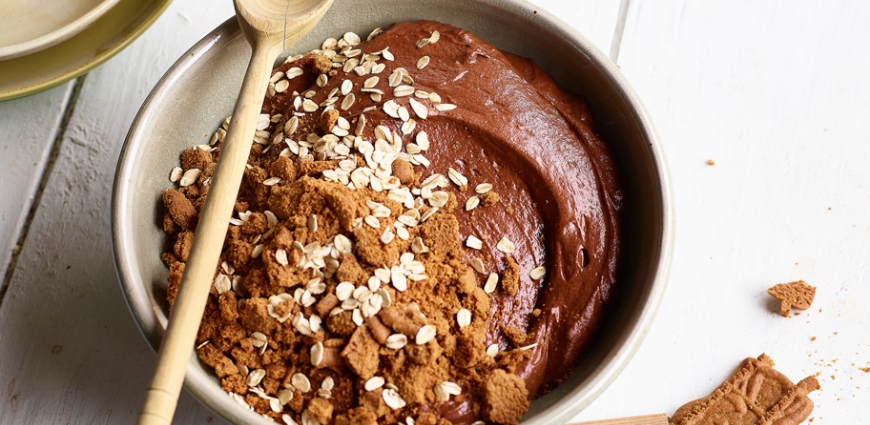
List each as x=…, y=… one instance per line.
x=199, y=91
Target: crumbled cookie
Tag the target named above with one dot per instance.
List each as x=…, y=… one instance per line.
x=361, y=353
x=320, y=410
x=511, y=279
x=321, y=64
x=516, y=335
x=196, y=158
x=359, y=416
x=404, y=171
x=181, y=210
x=183, y=243
x=328, y=120
x=797, y=294
x=488, y=199
x=284, y=169
x=222, y=365
x=506, y=398
x=755, y=393
x=315, y=168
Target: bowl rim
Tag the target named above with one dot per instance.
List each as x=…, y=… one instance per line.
x=600, y=377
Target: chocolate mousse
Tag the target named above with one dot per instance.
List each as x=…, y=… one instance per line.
x=427, y=232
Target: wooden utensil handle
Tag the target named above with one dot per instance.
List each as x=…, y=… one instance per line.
x=162, y=397
x=660, y=419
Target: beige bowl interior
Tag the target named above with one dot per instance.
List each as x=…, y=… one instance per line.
x=199, y=91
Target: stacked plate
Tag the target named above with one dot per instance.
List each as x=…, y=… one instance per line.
x=45, y=43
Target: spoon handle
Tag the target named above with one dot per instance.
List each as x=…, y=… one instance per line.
x=660, y=419
x=208, y=240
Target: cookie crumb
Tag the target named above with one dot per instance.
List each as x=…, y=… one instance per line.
x=516, y=335
x=195, y=158
x=489, y=199
x=315, y=168
x=321, y=64
x=403, y=171
x=796, y=294
x=181, y=210
x=328, y=120
x=511, y=280
x=506, y=398
x=320, y=410
x=710, y=162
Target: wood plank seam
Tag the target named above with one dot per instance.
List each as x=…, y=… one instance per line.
x=69, y=109
x=616, y=43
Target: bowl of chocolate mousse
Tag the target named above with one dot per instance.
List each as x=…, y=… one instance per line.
x=502, y=196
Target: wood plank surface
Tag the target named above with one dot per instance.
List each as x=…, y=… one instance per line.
x=69, y=349
x=658, y=419
x=29, y=127
x=777, y=95
x=597, y=20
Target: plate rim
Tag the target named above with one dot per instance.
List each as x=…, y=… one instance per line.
x=59, y=35
x=153, y=11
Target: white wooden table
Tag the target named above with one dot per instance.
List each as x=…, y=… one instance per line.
x=776, y=93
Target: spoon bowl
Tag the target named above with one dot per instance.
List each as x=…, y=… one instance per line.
x=278, y=22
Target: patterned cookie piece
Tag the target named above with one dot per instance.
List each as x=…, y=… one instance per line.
x=794, y=294
x=756, y=394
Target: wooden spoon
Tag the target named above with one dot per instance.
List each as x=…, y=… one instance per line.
x=660, y=419
x=271, y=26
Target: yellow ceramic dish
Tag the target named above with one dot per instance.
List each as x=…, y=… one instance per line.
x=111, y=33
